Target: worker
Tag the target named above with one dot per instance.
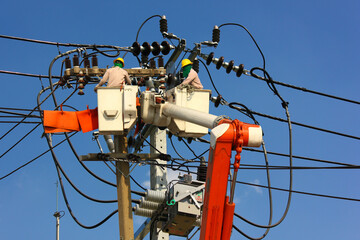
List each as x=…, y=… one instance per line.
x=115, y=76
x=190, y=75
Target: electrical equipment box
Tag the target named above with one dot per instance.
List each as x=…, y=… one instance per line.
x=116, y=109
x=185, y=212
x=195, y=99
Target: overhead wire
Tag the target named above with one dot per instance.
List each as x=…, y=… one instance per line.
x=34, y=109
x=301, y=192
x=293, y=191
x=287, y=155
x=32, y=160
x=27, y=74
x=58, y=165
x=61, y=44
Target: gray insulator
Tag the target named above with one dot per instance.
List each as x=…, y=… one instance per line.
x=150, y=84
x=110, y=143
x=148, y=204
x=155, y=196
x=198, y=222
x=143, y=212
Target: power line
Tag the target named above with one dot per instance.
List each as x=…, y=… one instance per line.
x=59, y=44
x=312, y=91
x=295, y=123
x=20, y=122
x=27, y=134
x=27, y=74
x=301, y=192
x=262, y=167
x=287, y=155
x=32, y=160
x=299, y=157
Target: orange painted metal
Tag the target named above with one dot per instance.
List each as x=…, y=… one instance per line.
x=88, y=119
x=67, y=121
x=216, y=185
x=60, y=121
x=218, y=211
x=229, y=210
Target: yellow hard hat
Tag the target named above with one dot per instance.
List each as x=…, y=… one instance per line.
x=121, y=60
x=185, y=62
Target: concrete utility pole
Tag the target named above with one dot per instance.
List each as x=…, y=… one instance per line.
x=123, y=191
x=57, y=215
x=158, y=178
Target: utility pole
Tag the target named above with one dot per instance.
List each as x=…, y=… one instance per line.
x=57, y=213
x=158, y=178
x=123, y=191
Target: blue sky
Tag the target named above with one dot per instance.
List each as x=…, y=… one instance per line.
x=313, y=44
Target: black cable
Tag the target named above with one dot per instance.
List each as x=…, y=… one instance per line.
x=287, y=155
x=211, y=80
x=26, y=122
x=59, y=44
x=18, y=109
x=261, y=167
x=27, y=74
x=50, y=69
x=305, y=125
x=27, y=134
x=312, y=91
x=301, y=157
x=301, y=192
x=57, y=164
x=150, y=144
x=247, y=111
x=84, y=166
x=108, y=55
x=34, y=109
x=137, y=183
x=247, y=236
x=290, y=184
x=196, y=156
x=72, y=214
x=19, y=114
x=32, y=160
x=293, y=191
x=137, y=34
x=257, y=46
x=172, y=144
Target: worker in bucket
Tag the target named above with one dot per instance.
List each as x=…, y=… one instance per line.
x=190, y=75
x=115, y=76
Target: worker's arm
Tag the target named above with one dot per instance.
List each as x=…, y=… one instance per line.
x=127, y=78
x=103, y=80
x=191, y=77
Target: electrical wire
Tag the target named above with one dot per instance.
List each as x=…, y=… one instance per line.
x=34, y=109
x=253, y=39
x=21, y=139
x=58, y=166
x=32, y=160
x=260, y=167
x=312, y=91
x=26, y=122
x=137, y=34
x=301, y=192
x=61, y=44
x=293, y=191
x=287, y=155
x=211, y=80
x=27, y=74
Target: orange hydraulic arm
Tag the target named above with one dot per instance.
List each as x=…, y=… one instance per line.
x=218, y=209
